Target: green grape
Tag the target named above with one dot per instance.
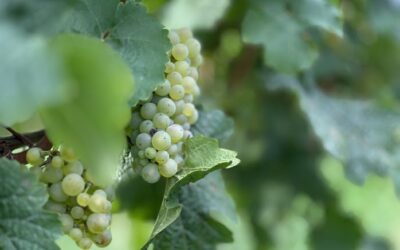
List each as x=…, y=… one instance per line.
x=55, y=207
x=73, y=167
x=169, y=67
x=76, y=234
x=143, y=140
x=56, y=193
x=188, y=84
x=141, y=154
x=100, y=192
x=136, y=120
x=169, y=169
x=57, y=162
x=193, y=73
x=33, y=156
x=193, y=119
x=184, y=34
x=77, y=212
x=179, y=106
x=177, y=92
x=186, y=126
x=188, y=98
x=67, y=222
x=146, y=126
x=166, y=106
x=180, y=119
x=187, y=134
x=68, y=154
x=161, y=121
x=179, y=160
x=150, y=173
x=197, y=61
x=73, y=184
x=161, y=140
x=163, y=89
x=162, y=157
x=148, y=110
x=173, y=37
x=176, y=132
x=188, y=109
x=194, y=47
x=51, y=175
x=143, y=162
x=182, y=67
x=98, y=203
x=180, y=51
x=174, y=78
x=85, y=243
x=173, y=150
x=180, y=146
x=196, y=91
x=103, y=239
x=83, y=199
x=150, y=153
x=97, y=222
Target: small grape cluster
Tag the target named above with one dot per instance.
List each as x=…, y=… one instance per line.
x=84, y=209
x=162, y=123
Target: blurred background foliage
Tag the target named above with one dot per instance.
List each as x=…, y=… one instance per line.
x=319, y=145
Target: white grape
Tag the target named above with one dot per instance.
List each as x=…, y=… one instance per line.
x=168, y=169
x=186, y=126
x=98, y=203
x=143, y=140
x=173, y=150
x=187, y=134
x=179, y=160
x=141, y=154
x=73, y=167
x=150, y=173
x=192, y=72
x=197, y=61
x=67, y=222
x=177, y=92
x=56, y=193
x=188, y=84
x=194, y=47
x=196, y=91
x=166, y=106
x=162, y=157
x=169, y=67
x=182, y=67
x=161, y=120
x=67, y=154
x=100, y=192
x=194, y=117
x=97, y=223
x=73, y=184
x=179, y=106
x=174, y=78
x=103, y=239
x=57, y=162
x=161, y=140
x=188, y=109
x=148, y=110
x=150, y=153
x=180, y=119
x=85, y=243
x=163, y=89
x=77, y=212
x=176, y=132
x=83, y=199
x=180, y=51
x=184, y=34
x=76, y=234
x=173, y=37
x=51, y=175
x=188, y=98
x=33, y=156
x=55, y=207
x=146, y=126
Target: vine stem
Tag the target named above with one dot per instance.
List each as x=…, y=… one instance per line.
x=22, y=138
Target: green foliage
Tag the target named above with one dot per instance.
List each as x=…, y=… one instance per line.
x=125, y=25
x=23, y=223
x=93, y=119
x=280, y=27
x=214, y=124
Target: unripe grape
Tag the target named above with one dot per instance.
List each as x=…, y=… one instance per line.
x=97, y=223
x=168, y=169
x=194, y=47
x=188, y=98
x=75, y=167
x=188, y=84
x=188, y=109
x=187, y=134
x=180, y=119
x=193, y=119
x=103, y=239
x=148, y=110
x=146, y=126
x=180, y=146
x=173, y=37
x=197, y=61
x=182, y=67
x=150, y=173
x=174, y=78
x=169, y=67
x=76, y=234
x=196, y=91
x=143, y=141
x=73, y=184
x=141, y=154
x=161, y=140
x=184, y=34
x=192, y=72
x=186, y=126
x=150, y=153
x=57, y=162
x=85, y=243
x=177, y=92
x=163, y=89
x=176, y=132
x=55, y=207
x=67, y=222
x=77, y=212
x=179, y=160
x=161, y=120
x=180, y=51
x=143, y=162
x=97, y=203
x=100, y=192
x=166, y=106
x=67, y=154
x=83, y=199
x=179, y=106
x=136, y=120
x=56, y=193
x=173, y=150
x=51, y=175
x=162, y=157
x=33, y=156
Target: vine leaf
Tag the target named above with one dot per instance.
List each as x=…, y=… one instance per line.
x=281, y=28
x=30, y=76
x=140, y=39
x=214, y=124
x=202, y=157
x=365, y=137
x=23, y=222
x=92, y=121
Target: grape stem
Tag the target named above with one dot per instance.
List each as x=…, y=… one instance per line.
x=22, y=138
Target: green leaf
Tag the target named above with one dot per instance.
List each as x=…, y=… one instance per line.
x=281, y=28
x=92, y=121
x=202, y=157
x=214, y=124
x=190, y=13
x=30, y=76
x=140, y=39
x=199, y=225
x=23, y=222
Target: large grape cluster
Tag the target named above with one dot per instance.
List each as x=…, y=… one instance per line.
x=162, y=123
x=84, y=209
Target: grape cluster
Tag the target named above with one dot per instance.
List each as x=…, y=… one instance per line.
x=161, y=124
x=84, y=209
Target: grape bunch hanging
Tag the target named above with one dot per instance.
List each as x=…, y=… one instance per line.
x=84, y=209
x=162, y=123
